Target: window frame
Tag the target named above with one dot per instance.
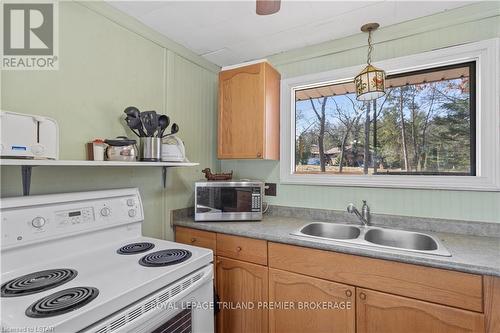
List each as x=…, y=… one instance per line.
x=487, y=125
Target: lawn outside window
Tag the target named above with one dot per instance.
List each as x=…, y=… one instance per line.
x=437, y=126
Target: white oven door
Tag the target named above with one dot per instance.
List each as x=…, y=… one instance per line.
x=185, y=306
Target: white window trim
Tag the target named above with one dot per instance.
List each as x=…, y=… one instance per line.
x=487, y=57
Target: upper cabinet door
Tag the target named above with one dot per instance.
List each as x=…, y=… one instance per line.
x=378, y=312
x=249, y=113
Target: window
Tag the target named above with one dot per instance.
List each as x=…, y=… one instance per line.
x=438, y=126
x=424, y=125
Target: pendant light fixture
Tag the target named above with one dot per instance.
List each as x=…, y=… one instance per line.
x=370, y=83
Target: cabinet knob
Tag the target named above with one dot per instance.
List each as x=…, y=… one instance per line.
x=362, y=296
x=238, y=249
x=218, y=261
x=348, y=293
x=259, y=155
x=193, y=240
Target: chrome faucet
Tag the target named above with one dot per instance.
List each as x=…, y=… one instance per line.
x=364, y=216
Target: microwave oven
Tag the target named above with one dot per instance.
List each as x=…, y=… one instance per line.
x=228, y=200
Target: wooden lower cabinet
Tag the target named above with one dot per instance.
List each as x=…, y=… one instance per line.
x=241, y=284
x=309, y=304
x=379, y=312
x=384, y=296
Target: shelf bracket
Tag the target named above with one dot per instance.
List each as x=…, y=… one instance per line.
x=164, y=176
x=26, y=178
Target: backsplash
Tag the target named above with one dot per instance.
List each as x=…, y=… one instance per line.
x=485, y=229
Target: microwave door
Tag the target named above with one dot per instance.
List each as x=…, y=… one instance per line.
x=207, y=200
x=236, y=200
x=224, y=199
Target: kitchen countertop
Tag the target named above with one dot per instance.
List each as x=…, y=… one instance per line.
x=472, y=254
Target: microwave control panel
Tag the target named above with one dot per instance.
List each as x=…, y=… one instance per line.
x=256, y=199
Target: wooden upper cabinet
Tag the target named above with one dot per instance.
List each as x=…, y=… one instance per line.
x=309, y=304
x=249, y=104
x=378, y=312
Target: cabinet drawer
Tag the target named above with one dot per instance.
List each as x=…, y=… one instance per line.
x=378, y=312
x=242, y=248
x=461, y=290
x=195, y=237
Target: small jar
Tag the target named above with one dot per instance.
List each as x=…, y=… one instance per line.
x=98, y=148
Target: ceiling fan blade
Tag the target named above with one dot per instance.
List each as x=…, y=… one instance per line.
x=268, y=7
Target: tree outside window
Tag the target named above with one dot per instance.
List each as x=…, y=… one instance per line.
x=424, y=125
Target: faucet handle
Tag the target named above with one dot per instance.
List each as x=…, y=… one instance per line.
x=350, y=208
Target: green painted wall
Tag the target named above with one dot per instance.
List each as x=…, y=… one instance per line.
x=104, y=67
x=468, y=24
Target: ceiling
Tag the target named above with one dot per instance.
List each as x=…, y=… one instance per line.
x=230, y=32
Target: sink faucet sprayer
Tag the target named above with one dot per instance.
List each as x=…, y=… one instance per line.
x=364, y=216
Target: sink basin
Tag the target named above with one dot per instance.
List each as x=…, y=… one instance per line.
x=330, y=230
x=401, y=239
x=375, y=237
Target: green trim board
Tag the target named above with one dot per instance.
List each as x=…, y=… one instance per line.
x=445, y=20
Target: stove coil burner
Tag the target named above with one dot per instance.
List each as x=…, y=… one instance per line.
x=62, y=302
x=37, y=282
x=165, y=258
x=135, y=248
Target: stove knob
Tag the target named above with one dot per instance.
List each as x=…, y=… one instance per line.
x=105, y=211
x=38, y=222
x=130, y=202
x=131, y=212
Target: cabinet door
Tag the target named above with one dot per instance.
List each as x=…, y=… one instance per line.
x=241, y=112
x=309, y=304
x=241, y=284
x=383, y=313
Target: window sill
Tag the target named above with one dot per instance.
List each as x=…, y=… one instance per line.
x=458, y=183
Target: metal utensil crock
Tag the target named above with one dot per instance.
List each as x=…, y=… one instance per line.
x=150, y=148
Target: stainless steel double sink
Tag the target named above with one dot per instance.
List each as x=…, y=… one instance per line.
x=373, y=237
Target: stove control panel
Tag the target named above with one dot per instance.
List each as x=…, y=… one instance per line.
x=83, y=215
x=27, y=224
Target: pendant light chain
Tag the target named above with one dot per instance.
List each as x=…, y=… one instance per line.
x=370, y=48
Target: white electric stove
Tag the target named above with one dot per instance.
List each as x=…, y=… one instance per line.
x=76, y=262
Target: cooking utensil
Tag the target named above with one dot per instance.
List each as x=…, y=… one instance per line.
x=132, y=111
x=150, y=122
x=121, y=149
x=174, y=129
x=163, y=122
x=135, y=124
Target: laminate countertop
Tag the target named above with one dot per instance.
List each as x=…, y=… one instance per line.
x=472, y=254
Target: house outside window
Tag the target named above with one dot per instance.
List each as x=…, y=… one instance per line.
x=436, y=127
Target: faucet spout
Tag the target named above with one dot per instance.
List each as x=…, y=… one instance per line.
x=353, y=210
